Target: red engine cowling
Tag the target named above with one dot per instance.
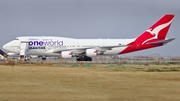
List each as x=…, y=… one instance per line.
x=91, y=52
x=66, y=54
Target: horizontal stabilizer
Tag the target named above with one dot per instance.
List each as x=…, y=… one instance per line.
x=161, y=41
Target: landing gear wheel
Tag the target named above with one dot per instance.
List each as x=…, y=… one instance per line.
x=43, y=58
x=84, y=58
x=77, y=59
x=89, y=59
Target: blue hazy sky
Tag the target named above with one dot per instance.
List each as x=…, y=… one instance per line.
x=88, y=19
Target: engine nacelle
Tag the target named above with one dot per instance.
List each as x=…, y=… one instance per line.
x=66, y=54
x=91, y=52
x=13, y=54
x=34, y=56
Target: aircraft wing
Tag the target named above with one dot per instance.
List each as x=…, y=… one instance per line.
x=59, y=50
x=110, y=47
x=161, y=41
x=81, y=50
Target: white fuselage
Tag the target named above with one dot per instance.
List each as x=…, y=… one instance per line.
x=42, y=45
x=84, y=49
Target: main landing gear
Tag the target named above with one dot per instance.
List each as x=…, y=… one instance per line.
x=43, y=58
x=84, y=58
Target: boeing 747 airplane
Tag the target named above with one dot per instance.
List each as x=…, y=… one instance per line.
x=84, y=49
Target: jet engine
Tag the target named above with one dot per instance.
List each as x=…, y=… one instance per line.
x=13, y=54
x=66, y=54
x=91, y=52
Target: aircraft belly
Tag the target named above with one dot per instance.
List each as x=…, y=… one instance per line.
x=114, y=51
x=53, y=54
x=33, y=52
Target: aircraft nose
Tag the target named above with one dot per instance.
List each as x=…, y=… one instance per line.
x=4, y=46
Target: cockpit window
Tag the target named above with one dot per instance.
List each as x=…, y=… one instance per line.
x=17, y=38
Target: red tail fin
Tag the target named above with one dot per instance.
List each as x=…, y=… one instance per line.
x=156, y=31
x=153, y=37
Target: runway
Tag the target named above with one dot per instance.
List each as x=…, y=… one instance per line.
x=109, y=59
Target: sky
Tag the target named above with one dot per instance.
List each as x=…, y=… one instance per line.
x=114, y=19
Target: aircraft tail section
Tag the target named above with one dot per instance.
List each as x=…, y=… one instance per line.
x=153, y=37
x=157, y=31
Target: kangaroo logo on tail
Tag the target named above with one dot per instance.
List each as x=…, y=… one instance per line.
x=155, y=35
x=156, y=31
